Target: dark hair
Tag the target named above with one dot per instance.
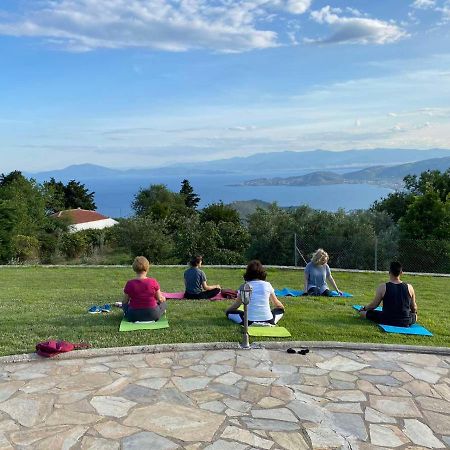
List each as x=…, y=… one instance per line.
x=255, y=271
x=196, y=260
x=395, y=268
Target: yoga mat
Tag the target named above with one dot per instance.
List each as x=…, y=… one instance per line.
x=133, y=326
x=180, y=296
x=275, y=331
x=174, y=295
x=287, y=292
x=415, y=328
x=343, y=294
x=358, y=307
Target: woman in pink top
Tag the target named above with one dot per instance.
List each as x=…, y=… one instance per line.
x=143, y=300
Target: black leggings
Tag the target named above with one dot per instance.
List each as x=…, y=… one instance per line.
x=314, y=292
x=145, y=314
x=202, y=295
x=380, y=317
x=277, y=313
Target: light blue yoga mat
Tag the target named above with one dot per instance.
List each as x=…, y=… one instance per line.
x=343, y=294
x=287, y=292
x=358, y=307
x=415, y=328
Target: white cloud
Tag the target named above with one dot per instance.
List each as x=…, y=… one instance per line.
x=168, y=25
x=355, y=30
x=423, y=4
x=298, y=6
x=445, y=13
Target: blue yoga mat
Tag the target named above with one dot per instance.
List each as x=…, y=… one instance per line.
x=358, y=307
x=343, y=294
x=415, y=328
x=287, y=292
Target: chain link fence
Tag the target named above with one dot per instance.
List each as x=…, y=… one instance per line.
x=376, y=253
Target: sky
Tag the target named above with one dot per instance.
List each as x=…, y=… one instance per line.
x=145, y=83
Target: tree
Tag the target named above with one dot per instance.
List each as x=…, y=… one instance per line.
x=145, y=236
x=7, y=224
x=395, y=204
x=191, y=199
x=11, y=177
x=431, y=180
x=22, y=212
x=428, y=217
x=76, y=195
x=271, y=235
x=158, y=202
x=56, y=196
x=218, y=212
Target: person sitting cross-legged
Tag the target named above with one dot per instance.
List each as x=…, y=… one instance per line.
x=195, y=283
x=143, y=300
x=399, y=301
x=261, y=297
x=317, y=272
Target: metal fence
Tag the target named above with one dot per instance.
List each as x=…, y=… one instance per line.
x=376, y=253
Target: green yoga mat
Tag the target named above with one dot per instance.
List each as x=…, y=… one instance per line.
x=133, y=326
x=268, y=331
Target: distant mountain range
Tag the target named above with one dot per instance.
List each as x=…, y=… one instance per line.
x=275, y=162
x=390, y=176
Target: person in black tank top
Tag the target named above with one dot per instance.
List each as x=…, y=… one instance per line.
x=399, y=301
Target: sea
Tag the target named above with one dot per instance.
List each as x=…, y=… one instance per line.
x=113, y=197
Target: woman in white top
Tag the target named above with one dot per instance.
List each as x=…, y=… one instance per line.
x=262, y=296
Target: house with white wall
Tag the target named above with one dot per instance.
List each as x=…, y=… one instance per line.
x=83, y=219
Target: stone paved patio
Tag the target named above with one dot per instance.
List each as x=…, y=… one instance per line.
x=228, y=400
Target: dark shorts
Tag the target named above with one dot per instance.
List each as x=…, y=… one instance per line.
x=145, y=314
x=202, y=295
x=380, y=317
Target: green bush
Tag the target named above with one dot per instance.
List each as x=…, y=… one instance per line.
x=74, y=245
x=25, y=248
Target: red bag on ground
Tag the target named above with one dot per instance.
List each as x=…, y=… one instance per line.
x=51, y=348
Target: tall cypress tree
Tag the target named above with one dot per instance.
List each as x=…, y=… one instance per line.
x=191, y=199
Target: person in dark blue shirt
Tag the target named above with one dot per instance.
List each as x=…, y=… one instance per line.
x=196, y=286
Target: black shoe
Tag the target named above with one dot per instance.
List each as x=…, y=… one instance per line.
x=302, y=351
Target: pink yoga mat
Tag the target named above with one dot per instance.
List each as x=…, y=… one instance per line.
x=180, y=295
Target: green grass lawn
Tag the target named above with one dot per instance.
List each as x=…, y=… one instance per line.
x=38, y=303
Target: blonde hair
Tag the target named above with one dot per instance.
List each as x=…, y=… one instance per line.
x=141, y=264
x=319, y=257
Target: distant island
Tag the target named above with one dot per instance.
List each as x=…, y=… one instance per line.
x=387, y=176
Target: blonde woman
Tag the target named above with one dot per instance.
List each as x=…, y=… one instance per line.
x=143, y=300
x=317, y=272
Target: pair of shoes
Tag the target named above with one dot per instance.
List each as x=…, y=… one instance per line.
x=99, y=309
x=302, y=351
x=118, y=304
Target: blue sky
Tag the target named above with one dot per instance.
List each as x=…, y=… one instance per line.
x=128, y=83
